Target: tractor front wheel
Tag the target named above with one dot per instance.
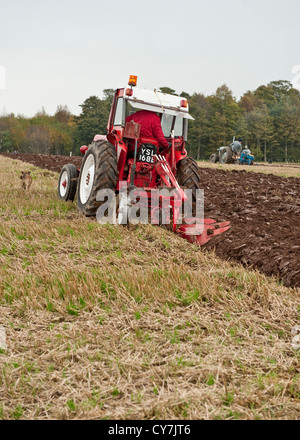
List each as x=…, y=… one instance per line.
x=98, y=171
x=67, y=182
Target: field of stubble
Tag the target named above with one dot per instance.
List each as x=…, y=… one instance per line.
x=104, y=322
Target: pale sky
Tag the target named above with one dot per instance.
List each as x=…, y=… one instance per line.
x=63, y=51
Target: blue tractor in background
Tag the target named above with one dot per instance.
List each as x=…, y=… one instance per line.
x=246, y=158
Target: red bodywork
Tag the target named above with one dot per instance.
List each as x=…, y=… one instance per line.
x=146, y=175
x=152, y=176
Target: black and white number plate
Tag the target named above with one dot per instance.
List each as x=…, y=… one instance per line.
x=146, y=153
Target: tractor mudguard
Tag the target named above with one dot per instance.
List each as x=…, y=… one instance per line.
x=100, y=137
x=179, y=155
x=121, y=147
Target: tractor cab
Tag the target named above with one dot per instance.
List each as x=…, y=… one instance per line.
x=174, y=116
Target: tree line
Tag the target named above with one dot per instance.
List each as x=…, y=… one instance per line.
x=268, y=120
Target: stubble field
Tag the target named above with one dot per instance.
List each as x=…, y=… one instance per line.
x=116, y=323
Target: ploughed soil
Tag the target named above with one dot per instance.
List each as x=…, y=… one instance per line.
x=264, y=211
x=46, y=161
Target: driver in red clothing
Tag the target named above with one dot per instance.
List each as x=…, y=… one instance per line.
x=150, y=126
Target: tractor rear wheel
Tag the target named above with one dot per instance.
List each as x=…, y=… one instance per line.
x=226, y=155
x=188, y=175
x=67, y=182
x=98, y=171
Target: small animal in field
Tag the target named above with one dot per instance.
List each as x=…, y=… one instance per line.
x=26, y=180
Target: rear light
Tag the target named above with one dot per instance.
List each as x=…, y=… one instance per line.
x=183, y=103
x=132, y=81
x=83, y=149
x=129, y=92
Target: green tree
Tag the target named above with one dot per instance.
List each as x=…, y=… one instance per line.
x=93, y=119
x=198, y=129
x=168, y=90
x=5, y=141
x=63, y=114
x=108, y=95
x=259, y=124
x=286, y=121
x=225, y=117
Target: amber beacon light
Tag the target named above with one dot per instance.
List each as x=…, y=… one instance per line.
x=132, y=81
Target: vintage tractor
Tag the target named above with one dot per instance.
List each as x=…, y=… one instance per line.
x=246, y=158
x=136, y=170
x=223, y=155
x=233, y=154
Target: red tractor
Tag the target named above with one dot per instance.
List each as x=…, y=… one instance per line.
x=124, y=159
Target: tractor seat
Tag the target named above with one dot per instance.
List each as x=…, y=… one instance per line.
x=148, y=140
x=142, y=140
